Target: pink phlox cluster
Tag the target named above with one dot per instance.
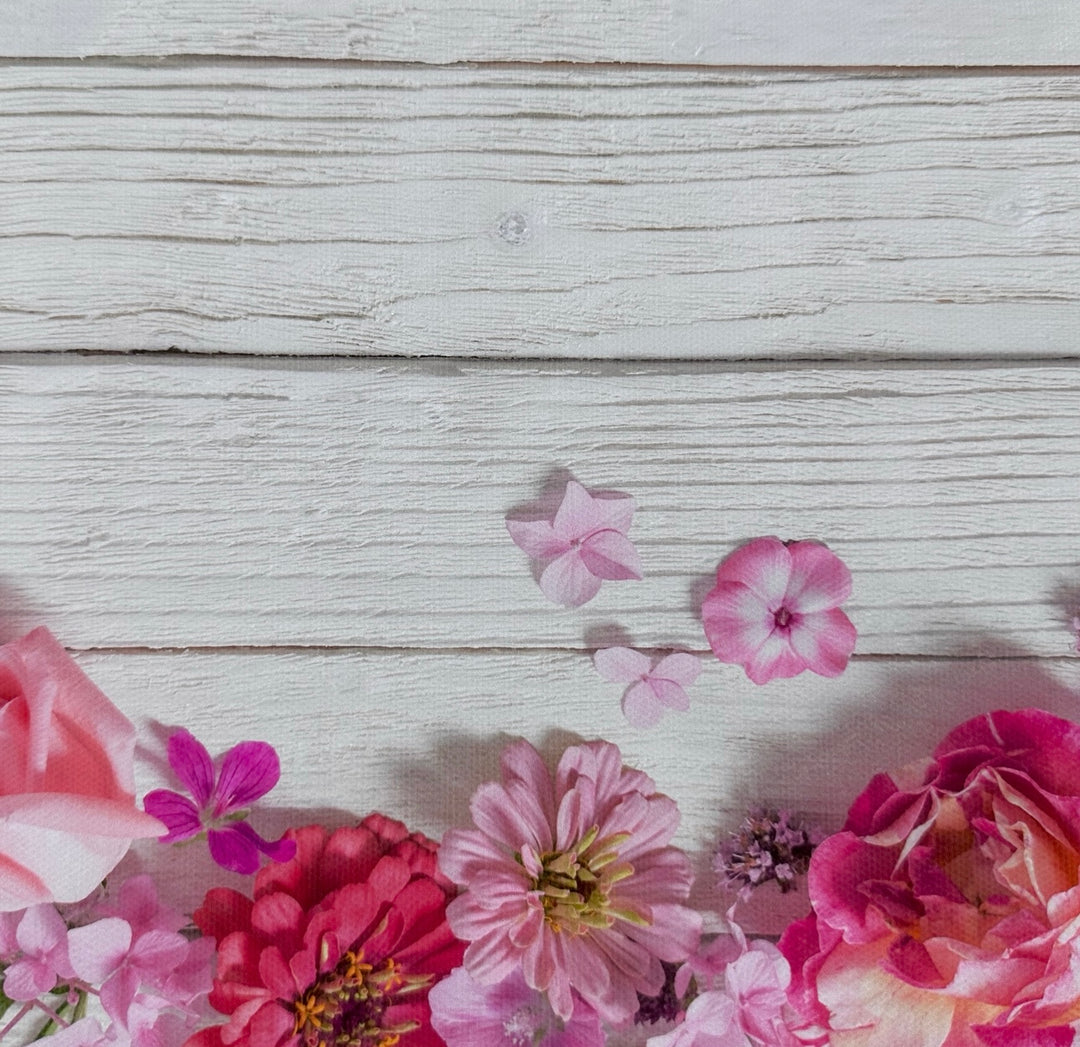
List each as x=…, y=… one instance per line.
x=654, y=685
x=507, y=1014
x=248, y=772
x=584, y=544
x=742, y=997
x=775, y=610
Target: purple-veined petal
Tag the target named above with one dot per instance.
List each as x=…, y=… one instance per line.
x=249, y=771
x=763, y=566
x=679, y=667
x=567, y=581
x=609, y=554
x=191, y=763
x=640, y=707
x=670, y=693
x=825, y=641
x=819, y=579
x=536, y=538
x=621, y=664
x=282, y=850
x=180, y=815
x=234, y=849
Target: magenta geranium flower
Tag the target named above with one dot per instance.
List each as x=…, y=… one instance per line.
x=654, y=687
x=248, y=772
x=572, y=880
x=583, y=545
x=775, y=610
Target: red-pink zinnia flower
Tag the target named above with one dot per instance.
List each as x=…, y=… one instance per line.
x=775, y=610
x=572, y=879
x=248, y=772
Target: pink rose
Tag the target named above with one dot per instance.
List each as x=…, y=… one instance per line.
x=947, y=913
x=67, y=804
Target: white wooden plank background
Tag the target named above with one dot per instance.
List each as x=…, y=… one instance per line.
x=327, y=209
x=717, y=32
x=770, y=268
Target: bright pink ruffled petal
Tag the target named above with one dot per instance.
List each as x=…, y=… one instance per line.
x=825, y=641
x=611, y=555
x=180, y=815
x=191, y=763
x=737, y=622
x=249, y=771
x=819, y=578
x=568, y=581
x=763, y=565
x=622, y=664
x=640, y=705
x=536, y=538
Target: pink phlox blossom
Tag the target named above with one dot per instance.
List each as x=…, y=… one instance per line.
x=507, y=1014
x=572, y=880
x=584, y=544
x=42, y=938
x=775, y=610
x=742, y=997
x=248, y=771
x=654, y=686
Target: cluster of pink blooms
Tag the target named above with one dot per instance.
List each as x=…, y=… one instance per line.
x=775, y=608
x=123, y=953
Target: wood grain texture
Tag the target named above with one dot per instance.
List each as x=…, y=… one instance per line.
x=413, y=734
x=186, y=502
x=717, y=32
x=537, y=212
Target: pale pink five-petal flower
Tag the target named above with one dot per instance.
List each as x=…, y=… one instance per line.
x=775, y=610
x=654, y=686
x=582, y=546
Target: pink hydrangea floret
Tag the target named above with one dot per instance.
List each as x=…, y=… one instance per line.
x=573, y=880
x=654, y=685
x=775, y=610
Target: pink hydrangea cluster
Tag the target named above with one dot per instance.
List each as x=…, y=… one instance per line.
x=125, y=977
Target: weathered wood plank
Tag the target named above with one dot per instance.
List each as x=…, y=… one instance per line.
x=413, y=734
x=732, y=32
x=539, y=212
x=185, y=502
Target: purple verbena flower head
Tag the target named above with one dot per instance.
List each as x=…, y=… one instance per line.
x=768, y=845
x=248, y=772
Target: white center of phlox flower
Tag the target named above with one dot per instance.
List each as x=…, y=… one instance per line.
x=526, y=1027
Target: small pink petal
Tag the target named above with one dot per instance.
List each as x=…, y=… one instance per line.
x=576, y=516
x=611, y=555
x=99, y=948
x=679, y=667
x=774, y=658
x=819, y=580
x=669, y=693
x=536, y=538
x=763, y=566
x=179, y=814
x=191, y=763
x=568, y=581
x=825, y=641
x=737, y=622
x=621, y=664
x=616, y=512
x=249, y=771
x=233, y=849
x=640, y=705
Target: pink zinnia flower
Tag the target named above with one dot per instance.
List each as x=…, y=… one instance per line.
x=584, y=544
x=248, y=772
x=775, y=610
x=572, y=880
x=654, y=687
x=508, y=1014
